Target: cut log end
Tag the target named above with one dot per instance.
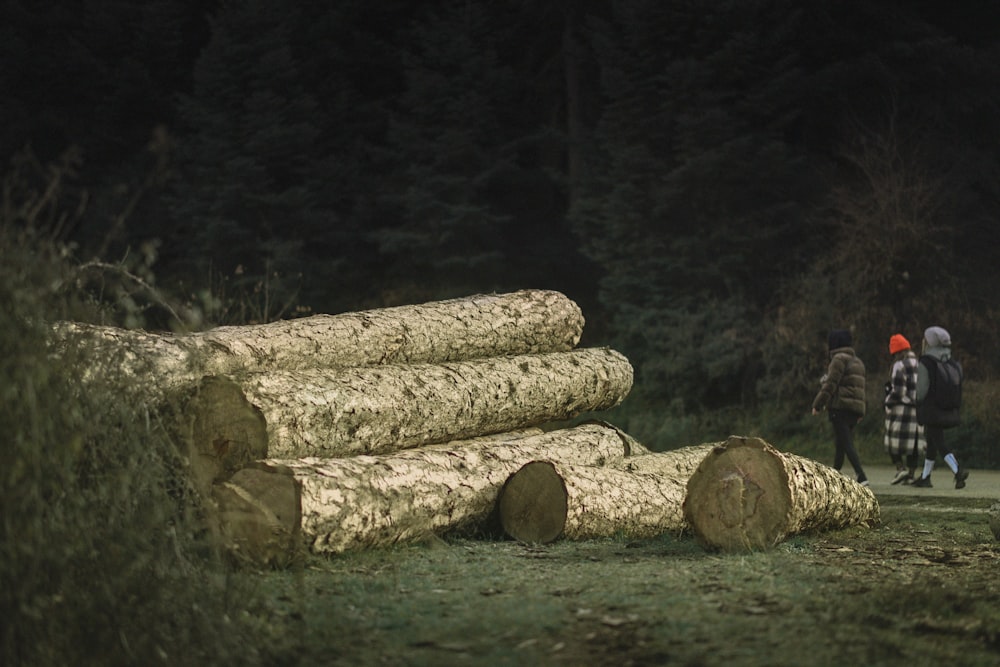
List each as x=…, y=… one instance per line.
x=533, y=503
x=226, y=431
x=258, y=515
x=738, y=497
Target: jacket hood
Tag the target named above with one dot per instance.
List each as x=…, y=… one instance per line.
x=937, y=343
x=937, y=337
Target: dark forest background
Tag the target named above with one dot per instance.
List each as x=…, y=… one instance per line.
x=717, y=184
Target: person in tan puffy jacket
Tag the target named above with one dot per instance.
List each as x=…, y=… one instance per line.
x=842, y=395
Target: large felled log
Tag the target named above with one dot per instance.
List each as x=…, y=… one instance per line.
x=747, y=495
x=545, y=500
x=523, y=322
x=374, y=410
x=641, y=496
x=366, y=501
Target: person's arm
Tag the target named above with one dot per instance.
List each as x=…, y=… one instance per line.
x=898, y=382
x=834, y=372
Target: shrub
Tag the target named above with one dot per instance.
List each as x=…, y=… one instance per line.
x=103, y=559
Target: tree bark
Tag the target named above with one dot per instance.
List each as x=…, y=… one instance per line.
x=335, y=505
x=747, y=495
x=640, y=496
x=681, y=462
x=375, y=410
x=523, y=322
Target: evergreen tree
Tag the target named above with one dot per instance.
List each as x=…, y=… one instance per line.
x=696, y=197
x=250, y=166
x=349, y=55
x=453, y=154
x=97, y=78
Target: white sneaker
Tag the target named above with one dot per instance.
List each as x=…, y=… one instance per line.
x=900, y=476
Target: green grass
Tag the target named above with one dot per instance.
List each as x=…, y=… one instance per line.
x=918, y=589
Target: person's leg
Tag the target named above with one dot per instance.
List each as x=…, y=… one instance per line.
x=843, y=428
x=901, y=472
x=912, y=460
x=838, y=440
x=935, y=440
x=949, y=457
x=897, y=439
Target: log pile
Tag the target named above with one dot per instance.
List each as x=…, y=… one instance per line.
x=362, y=501
x=367, y=429
x=376, y=410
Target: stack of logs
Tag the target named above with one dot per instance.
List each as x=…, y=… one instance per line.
x=365, y=429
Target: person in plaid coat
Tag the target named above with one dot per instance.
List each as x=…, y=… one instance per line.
x=904, y=437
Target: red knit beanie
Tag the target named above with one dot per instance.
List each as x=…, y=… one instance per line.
x=897, y=344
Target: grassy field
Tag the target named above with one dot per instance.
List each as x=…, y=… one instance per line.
x=919, y=589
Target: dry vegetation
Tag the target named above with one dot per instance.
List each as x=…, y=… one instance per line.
x=102, y=558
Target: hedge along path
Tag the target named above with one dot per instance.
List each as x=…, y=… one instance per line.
x=746, y=495
x=380, y=409
x=638, y=496
x=269, y=509
x=482, y=325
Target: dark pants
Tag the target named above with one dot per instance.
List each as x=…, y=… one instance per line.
x=935, y=442
x=843, y=439
x=911, y=460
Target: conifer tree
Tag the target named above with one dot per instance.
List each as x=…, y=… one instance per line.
x=451, y=150
x=246, y=197
x=695, y=194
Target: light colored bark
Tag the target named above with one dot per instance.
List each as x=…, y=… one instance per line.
x=368, y=501
x=681, y=462
x=375, y=410
x=484, y=325
x=747, y=495
x=545, y=500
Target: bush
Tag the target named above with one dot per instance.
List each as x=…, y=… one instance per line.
x=103, y=560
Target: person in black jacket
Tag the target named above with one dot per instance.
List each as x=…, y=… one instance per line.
x=938, y=402
x=842, y=395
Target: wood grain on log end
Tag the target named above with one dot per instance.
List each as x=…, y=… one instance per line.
x=533, y=503
x=738, y=497
x=226, y=431
x=258, y=515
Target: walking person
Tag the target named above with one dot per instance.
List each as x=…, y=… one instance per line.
x=904, y=437
x=939, y=398
x=842, y=395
